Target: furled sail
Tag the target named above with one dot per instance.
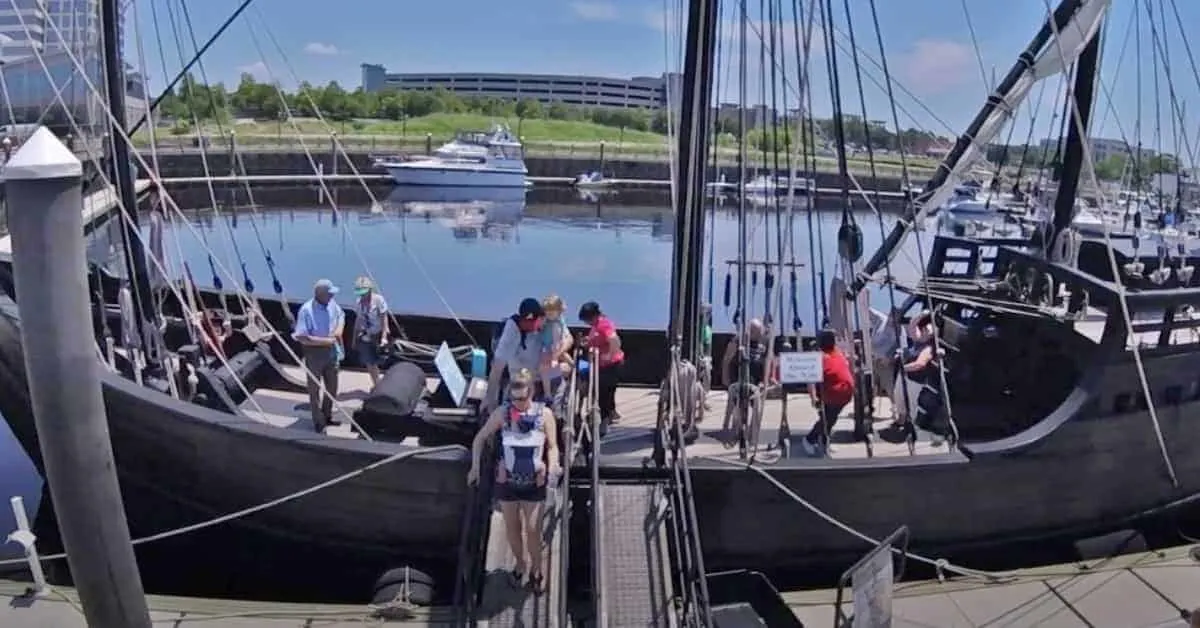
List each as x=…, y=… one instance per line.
x=1062, y=40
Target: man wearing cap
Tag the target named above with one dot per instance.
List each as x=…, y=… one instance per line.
x=370, y=326
x=519, y=346
x=319, y=325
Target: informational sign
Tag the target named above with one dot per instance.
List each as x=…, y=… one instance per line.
x=871, y=584
x=800, y=367
x=452, y=376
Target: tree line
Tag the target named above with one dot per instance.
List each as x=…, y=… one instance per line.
x=1116, y=167
x=264, y=101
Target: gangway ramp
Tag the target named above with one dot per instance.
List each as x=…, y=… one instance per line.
x=504, y=603
x=631, y=556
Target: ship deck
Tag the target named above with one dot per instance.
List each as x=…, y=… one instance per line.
x=633, y=434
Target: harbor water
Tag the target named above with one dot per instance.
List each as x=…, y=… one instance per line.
x=476, y=253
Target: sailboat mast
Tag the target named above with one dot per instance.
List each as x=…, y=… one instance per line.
x=114, y=73
x=891, y=244
x=692, y=134
x=1083, y=96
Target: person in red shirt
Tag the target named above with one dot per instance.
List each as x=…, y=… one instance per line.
x=602, y=336
x=835, y=392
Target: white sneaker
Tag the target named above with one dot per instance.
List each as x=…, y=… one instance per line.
x=812, y=450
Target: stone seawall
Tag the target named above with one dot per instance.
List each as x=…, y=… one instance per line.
x=177, y=164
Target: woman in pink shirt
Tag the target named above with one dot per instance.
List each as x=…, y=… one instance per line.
x=603, y=337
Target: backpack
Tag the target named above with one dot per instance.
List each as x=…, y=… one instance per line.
x=499, y=331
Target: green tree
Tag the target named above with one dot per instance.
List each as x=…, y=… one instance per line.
x=529, y=109
x=1111, y=168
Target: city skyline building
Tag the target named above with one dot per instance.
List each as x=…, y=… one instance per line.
x=641, y=92
x=37, y=33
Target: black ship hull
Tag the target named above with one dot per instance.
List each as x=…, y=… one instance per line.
x=182, y=464
x=1083, y=459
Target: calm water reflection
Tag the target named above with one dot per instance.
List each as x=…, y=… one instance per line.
x=476, y=253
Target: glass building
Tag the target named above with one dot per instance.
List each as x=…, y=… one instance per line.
x=43, y=44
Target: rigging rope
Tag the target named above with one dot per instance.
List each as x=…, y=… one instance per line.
x=170, y=202
x=1090, y=168
x=353, y=168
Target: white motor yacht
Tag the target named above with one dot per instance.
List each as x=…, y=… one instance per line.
x=765, y=184
x=474, y=158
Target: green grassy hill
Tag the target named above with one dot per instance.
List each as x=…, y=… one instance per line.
x=443, y=125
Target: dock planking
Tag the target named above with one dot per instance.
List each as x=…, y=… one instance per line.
x=61, y=609
x=633, y=435
x=1151, y=590
x=631, y=548
x=505, y=604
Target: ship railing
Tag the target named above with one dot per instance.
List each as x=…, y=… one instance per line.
x=475, y=531
x=567, y=408
x=690, y=580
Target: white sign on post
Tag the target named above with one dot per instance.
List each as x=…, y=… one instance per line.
x=801, y=367
x=872, y=589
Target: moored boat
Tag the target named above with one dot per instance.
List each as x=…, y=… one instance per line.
x=492, y=158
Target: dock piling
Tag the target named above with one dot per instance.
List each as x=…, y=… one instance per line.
x=43, y=182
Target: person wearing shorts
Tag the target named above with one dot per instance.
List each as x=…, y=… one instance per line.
x=528, y=465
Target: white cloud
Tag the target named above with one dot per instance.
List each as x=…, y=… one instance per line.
x=936, y=65
x=318, y=48
x=258, y=70
x=657, y=19
x=595, y=11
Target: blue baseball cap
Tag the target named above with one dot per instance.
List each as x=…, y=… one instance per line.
x=326, y=285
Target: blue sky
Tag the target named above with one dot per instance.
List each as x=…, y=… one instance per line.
x=929, y=46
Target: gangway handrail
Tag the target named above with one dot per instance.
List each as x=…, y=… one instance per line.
x=593, y=427
x=476, y=530
x=570, y=406
x=885, y=545
x=688, y=557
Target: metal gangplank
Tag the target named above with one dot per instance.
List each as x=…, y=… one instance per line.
x=502, y=603
x=632, y=571
x=647, y=565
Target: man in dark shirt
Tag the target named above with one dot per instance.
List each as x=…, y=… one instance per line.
x=835, y=392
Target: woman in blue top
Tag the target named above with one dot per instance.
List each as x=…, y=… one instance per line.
x=528, y=463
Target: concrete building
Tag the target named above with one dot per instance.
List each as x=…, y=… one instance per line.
x=56, y=30
x=587, y=91
x=31, y=25
x=1103, y=148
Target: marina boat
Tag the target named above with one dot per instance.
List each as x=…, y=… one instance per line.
x=1059, y=413
x=768, y=184
x=594, y=179
x=493, y=158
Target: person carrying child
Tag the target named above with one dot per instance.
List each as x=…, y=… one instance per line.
x=556, y=346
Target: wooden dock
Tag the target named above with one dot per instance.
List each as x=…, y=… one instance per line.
x=1148, y=590
x=278, y=179
x=61, y=609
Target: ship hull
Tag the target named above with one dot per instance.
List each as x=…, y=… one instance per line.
x=181, y=464
x=419, y=173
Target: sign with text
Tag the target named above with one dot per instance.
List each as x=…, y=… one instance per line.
x=800, y=367
x=871, y=583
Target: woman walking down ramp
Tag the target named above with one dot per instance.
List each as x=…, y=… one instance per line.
x=528, y=464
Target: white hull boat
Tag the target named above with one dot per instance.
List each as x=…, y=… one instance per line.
x=442, y=174
x=492, y=159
